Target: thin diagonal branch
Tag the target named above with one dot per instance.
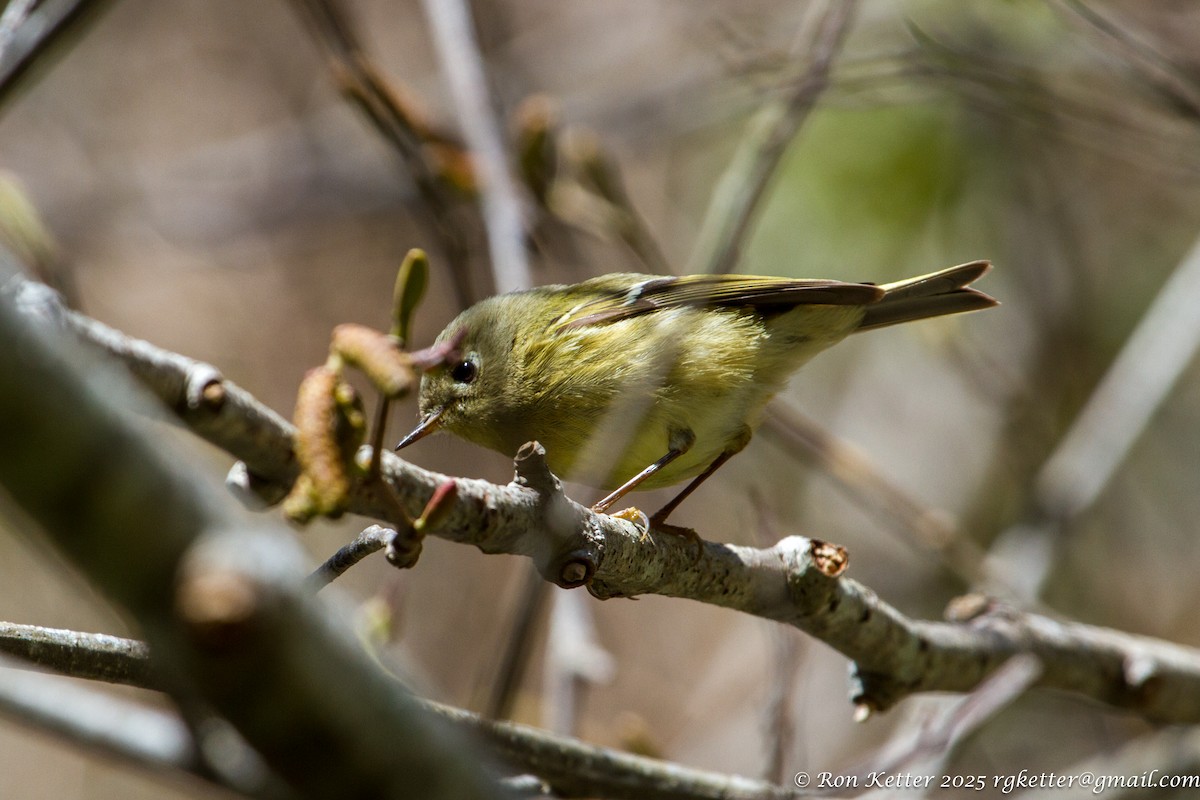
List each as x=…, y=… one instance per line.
x=145, y=737
x=31, y=31
x=737, y=194
x=439, y=167
x=1162, y=345
x=454, y=36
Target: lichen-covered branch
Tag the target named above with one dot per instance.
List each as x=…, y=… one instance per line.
x=793, y=582
x=95, y=656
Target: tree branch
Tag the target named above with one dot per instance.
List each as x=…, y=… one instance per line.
x=792, y=582
x=95, y=656
x=458, y=50
x=737, y=194
x=440, y=169
x=220, y=596
x=148, y=738
x=30, y=31
x=571, y=767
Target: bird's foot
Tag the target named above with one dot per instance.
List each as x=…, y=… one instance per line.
x=637, y=517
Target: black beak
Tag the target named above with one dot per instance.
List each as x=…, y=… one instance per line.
x=428, y=425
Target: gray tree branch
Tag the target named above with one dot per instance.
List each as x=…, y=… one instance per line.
x=570, y=767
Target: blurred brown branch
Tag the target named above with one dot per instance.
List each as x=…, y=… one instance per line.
x=440, y=167
x=29, y=32
x=149, y=738
x=737, y=194
x=894, y=655
x=502, y=204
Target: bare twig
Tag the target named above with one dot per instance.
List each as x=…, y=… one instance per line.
x=891, y=505
x=533, y=595
x=438, y=166
x=737, y=194
x=371, y=540
x=96, y=656
x=1102, y=434
x=790, y=582
x=454, y=35
x=1166, y=760
x=1139, y=379
x=932, y=743
x=779, y=724
x=599, y=176
x=575, y=769
x=574, y=659
x=1170, y=78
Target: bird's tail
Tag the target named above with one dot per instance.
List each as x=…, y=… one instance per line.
x=932, y=295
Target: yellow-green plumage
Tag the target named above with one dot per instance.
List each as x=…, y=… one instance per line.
x=613, y=373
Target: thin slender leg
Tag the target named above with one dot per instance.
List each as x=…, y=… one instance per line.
x=659, y=520
x=632, y=483
x=661, y=515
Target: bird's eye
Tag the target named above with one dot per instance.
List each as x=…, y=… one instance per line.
x=464, y=371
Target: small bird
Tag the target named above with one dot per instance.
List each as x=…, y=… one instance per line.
x=639, y=381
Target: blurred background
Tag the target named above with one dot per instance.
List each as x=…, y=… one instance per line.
x=206, y=187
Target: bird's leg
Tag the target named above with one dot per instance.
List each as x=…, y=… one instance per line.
x=660, y=517
x=659, y=520
x=679, y=442
x=631, y=484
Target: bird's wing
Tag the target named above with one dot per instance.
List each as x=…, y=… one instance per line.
x=617, y=298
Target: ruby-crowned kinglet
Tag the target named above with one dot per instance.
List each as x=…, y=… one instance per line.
x=637, y=382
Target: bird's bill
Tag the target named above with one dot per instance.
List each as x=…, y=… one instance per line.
x=427, y=426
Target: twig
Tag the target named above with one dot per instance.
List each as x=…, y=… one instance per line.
x=438, y=166
x=1166, y=76
x=594, y=188
x=574, y=659
x=96, y=656
x=534, y=593
x=1139, y=379
x=890, y=504
x=454, y=36
x=790, y=582
x=933, y=743
x=779, y=724
x=1104, y=431
x=371, y=540
x=575, y=769
x=1166, y=760
x=768, y=134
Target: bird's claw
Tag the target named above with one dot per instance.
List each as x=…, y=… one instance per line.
x=637, y=517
